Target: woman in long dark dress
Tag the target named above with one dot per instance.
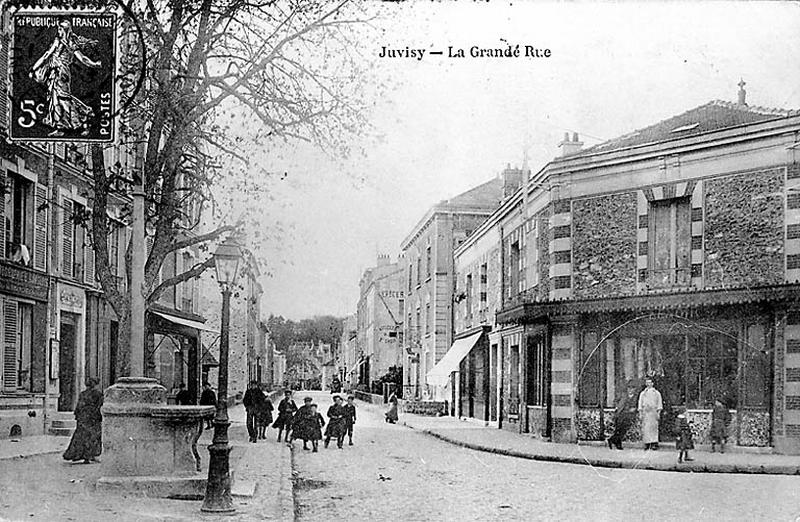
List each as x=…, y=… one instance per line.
x=337, y=423
x=86, y=443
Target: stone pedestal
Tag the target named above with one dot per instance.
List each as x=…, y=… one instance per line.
x=150, y=447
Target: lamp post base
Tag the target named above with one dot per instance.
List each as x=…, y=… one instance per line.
x=218, y=488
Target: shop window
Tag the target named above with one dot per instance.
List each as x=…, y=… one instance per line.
x=711, y=371
x=755, y=369
x=536, y=372
x=513, y=381
x=670, y=242
x=589, y=372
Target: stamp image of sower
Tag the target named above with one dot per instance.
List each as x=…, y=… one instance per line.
x=62, y=74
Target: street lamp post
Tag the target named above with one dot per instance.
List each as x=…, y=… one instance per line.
x=218, y=487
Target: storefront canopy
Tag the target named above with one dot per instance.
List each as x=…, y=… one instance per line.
x=440, y=374
x=184, y=322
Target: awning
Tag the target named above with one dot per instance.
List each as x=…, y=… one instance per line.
x=197, y=325
x=440, y=374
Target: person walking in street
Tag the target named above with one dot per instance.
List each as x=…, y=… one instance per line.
x=286, y=410
x=307, y=423
x=720, y=418
x=264, y=415
x=683, y=437
x=650, y=406
x=391, y=413
x=253, y=399
x=350, y=417
x=337, y=422
x=624, y=417
x=184, y=397
x=86, y=443
x=208, y=398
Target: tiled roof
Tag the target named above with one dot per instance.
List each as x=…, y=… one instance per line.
x=488, y=194
x=714, y=115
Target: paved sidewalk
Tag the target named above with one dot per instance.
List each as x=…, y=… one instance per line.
x=475, y=435
x=32, y=445
x=35, y=483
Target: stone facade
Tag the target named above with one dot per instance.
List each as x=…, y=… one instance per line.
x=744, y=229
x=604, y=246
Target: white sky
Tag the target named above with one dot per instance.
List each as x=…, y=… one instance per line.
x=450, y=124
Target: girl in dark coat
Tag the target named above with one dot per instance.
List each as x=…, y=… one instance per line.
x=720, y=418
x=307, y=424
x=337, y=422
x=391, y=414
x=286, y=410
x=264, y=416
x=683, y=437
x=86, y=443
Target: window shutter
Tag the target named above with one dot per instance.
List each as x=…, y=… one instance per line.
x=67, y=238
x=40, y=229
x=88, y=259
x=9, y=341
x=3, y=189
x=4, y=94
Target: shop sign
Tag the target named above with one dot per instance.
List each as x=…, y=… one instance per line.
x=23, y=282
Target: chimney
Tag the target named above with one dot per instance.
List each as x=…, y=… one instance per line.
x=570, y=147
x=742, y=93
x=383, y=259
x=512, y=180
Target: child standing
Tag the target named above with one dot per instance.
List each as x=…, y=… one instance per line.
x=350, y=417
x=683, y=437
x=720, y=418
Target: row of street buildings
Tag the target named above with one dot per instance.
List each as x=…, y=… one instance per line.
x=531, y=302
x=56, y=327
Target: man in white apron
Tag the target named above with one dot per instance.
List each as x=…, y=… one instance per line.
x=650, y=406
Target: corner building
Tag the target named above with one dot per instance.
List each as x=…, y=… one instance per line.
x=671, y=252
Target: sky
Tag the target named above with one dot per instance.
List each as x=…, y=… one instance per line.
x=448, y=124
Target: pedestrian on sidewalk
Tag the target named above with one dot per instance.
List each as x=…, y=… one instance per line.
x=86, y=443
x=720, y=418
x=264, y=414
x=391, y=413
x=208, y=398
x=683, y=437
x=350, y=417
x=286, y=410
x=337, y=423
x=253, y=400
x=650, y=406
x=624, y=417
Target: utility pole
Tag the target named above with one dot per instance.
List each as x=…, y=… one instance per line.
x=138, y=254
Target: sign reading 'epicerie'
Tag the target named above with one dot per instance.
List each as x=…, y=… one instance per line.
x=62, y=76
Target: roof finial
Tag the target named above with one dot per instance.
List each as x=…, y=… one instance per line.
x=742, y=92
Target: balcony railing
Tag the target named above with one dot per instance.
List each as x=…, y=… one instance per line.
x=669, y=277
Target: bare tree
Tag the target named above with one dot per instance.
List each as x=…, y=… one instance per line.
x=223, y=78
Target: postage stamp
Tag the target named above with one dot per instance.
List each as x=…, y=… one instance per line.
x=62, y=70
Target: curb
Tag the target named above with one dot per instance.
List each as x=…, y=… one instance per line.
x=287, y=502
x=20, y=457
x=607, y=463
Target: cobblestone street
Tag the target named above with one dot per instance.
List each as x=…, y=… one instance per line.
x=393, y=472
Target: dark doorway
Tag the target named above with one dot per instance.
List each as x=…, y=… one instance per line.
x=66, y=362
x=493, y=384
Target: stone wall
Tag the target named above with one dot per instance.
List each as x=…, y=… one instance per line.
x=543, y=244
x=744, y=229
x=604, y=246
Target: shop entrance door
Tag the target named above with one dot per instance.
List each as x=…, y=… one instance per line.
x=66, y=363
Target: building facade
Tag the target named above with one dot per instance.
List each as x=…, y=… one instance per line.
x=348, y=352
x=379, y=321
x=429, y=282
x=670, y=252
x=247, y=339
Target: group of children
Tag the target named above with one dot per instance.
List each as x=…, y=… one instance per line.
x=720, y=418
x=306, y=422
